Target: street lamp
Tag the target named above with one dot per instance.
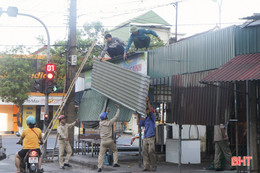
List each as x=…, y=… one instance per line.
x=13, y=12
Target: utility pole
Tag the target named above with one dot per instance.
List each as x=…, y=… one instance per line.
x=176, y=22
x=219, y=11
x=175, y=4
x=69, y=109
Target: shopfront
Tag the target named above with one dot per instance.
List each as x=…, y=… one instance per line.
x=34, y=106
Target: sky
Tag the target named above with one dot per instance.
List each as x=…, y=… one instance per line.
x=194, y=16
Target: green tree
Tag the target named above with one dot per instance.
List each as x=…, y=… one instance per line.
x=15, y=80
x=94, y=30
x=85, y=37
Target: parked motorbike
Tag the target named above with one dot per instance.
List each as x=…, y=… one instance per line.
x=30, y=162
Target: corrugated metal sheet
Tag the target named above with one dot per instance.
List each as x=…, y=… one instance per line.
x=93, y=103
x=247, y=40
x=240, y=68
x=199, y=53
x=125, y=114
x=195, y=103
x=121, y=85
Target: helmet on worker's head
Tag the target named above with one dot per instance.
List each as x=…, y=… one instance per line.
x=133, y=29
x=30, y=120
x=103, y=116
x=62, y=117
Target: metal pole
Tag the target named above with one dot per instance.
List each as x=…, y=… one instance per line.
x=140, y=143
x=47, y=32
x=180, y=129
x=219, y=11
x=176, y=19
x=217, y=103
x=235, y=103
x=247, y=122
x=46, y=106
x=46, y=111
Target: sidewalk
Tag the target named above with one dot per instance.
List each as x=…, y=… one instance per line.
x=129, y=163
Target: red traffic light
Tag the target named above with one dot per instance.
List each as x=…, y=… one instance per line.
x=46, y=116
x=50, y=76
x=50, y=67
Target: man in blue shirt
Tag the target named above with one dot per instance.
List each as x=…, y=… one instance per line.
x=140, y=39
x=149, y=139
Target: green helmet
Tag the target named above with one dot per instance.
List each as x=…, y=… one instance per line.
x=134, y=29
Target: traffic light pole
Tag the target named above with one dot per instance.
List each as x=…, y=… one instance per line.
x=46, y=111
x=46, y=105
x=13, y=12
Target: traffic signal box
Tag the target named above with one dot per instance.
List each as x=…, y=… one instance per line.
x=39, y=85
x=50, y=69
x=46, y=119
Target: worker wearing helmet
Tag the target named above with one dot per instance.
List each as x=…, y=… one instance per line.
x=64, y=144
x=30, y=139
x=105, y=126
x=140, y=39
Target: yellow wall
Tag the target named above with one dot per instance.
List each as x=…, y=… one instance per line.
x=54, y=112
x=27, y=111
x=6, y=117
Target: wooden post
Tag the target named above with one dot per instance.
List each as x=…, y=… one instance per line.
x=140, y=142
x=70, y=105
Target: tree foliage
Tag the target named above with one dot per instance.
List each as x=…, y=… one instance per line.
x=15, y=76
x=85, y=38
x=15, y=80
x=94, y=30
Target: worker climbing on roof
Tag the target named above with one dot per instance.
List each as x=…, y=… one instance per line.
x=149, y=138
x=140, y=39
x=64, y=143
x=114, y=46
x=105, y=126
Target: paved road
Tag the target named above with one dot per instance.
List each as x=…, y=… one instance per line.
x=9, y=142
x=7, y=165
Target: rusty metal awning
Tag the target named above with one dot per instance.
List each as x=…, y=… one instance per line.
x=241, y=68
x=195, y=103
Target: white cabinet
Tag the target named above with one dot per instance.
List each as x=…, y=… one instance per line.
x=190, y=151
